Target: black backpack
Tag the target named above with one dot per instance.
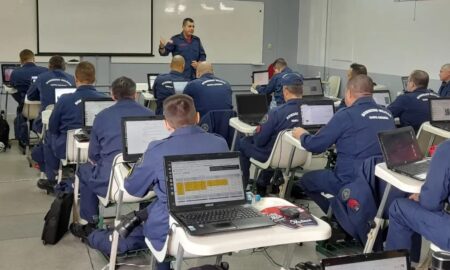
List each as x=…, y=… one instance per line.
x=57, y=219
x=4, y=131
x=221, y=266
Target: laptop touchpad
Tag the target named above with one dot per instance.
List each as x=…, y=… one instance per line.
x=223, y=225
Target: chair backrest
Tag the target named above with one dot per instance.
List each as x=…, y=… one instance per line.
x=31, y=111
x=71, y=150
x=281, y=151
x=334, y=84
x=217, y=121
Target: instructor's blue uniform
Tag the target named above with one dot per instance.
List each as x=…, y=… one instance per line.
x=426, y=217
x=163, y=88
x=444, y=90
x=275, y=86
x=412, y=107
x=105, y=143
x=191, y=50
x=354, y=132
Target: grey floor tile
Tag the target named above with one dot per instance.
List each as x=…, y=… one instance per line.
x=21, y=226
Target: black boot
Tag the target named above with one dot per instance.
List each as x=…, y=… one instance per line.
x=46, y=185
x=127, y=224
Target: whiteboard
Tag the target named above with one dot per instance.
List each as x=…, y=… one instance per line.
x=231, y=31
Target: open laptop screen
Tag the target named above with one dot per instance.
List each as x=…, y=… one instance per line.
x=315, y=115
x=138, y=132
x=151, y=77
x=440, y=109
x=260, y=77
x=91, y=107
x=400, y=146
x=179, y=87
x=312, y=87
x=382, y=97
x=251, y=104
x=7, y=70
x=205, y=179
x=405, y=82
x=63, y=90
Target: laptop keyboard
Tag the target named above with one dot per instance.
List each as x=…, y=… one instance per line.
x=415, y=168
x=218, y=215
x=82, y=136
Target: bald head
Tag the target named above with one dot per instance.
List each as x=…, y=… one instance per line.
x=357, y=87
x=177, y=63
x=203, y=68
x=444, y=74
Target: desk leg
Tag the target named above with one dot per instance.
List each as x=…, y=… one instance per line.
x=233, y=144
x=372, y=235
x=179, y=258
x=288, y=256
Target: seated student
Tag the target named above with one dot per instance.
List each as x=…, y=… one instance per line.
x=163, y=86
x=186, y=138
x=354, y=70
x=412, y=107
x=354, y=132
x=105, y=143
x=426, y=213
x=283, y=117
x=66, y=115
x=280, y=68
x=444, y=76
x=43, y=88
x=208, y=91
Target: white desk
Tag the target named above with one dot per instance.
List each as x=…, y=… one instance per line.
x=222, y=243
x=241, y=127
x=141, y=87
x=402, y=182
x=148, y=96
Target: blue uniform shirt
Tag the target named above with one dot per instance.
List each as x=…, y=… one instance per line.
x=43, y=88
x=106, y=139
x=163, y=88
x=209, y=93
x=412, y=107
x=191, y=51
x=22, y=77
x=149, y=174
x=274, y=86
x=354, y=132
x=444, y=90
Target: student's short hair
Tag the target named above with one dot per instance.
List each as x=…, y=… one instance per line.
x=123, y=88
x=57, y=62
x=280, y=63
x=446, y=66
x=420, y=78
x=358, y=69
x=186, y=20
x=85, y=72
x=360, y=85
x=179, y=110
x=26, y=55
x=296, y=89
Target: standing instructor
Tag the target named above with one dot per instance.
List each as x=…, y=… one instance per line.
x=186, y=45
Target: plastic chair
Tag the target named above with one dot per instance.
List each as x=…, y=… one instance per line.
x=334, y=84
x=72, y=153
x=30, y=111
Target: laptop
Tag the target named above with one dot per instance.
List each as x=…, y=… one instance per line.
x=7, y=70
x=440, y=112
x=90, y=107
x=388, y=260
x=312, y=88
x=251, y=108
x=63, y=90
x=260, y=77
x=316, y=113
x=179, y=87
x=151, y=77
x=206, y=194
x=138, y=132
x=404, y=82
x=382, y=97
x=402, y=153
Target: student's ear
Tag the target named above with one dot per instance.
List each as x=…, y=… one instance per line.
x=168, y=126
x=198, y=118
x=112, y=96
x=136, y=96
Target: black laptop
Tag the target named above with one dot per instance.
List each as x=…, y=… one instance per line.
x=382, y=97
x=7, y=70
x=90, y=107
x=312, y=88
x=151, y=77
x=138, y=132
x=260, y=77
x=405, y=82
x=316, y=113
x=402, y=153
x=206, y=194
x=440, y=112
x=251, y=108
x=386, y=260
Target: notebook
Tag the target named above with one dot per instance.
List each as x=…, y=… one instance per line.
x=151, y=77
x=405, y=82
x=260, y=77
x=90, y=108
x=312, y=88
x=179, y=87
x=402, y=153
x=206, y=194
x=387, y=260
x=251, y=108
x=7, y=70
x=138, y=132
x=316, y=113
x=440, y=112
x=382, y=97
x=63, y=90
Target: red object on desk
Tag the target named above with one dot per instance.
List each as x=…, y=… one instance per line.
x=431, y=150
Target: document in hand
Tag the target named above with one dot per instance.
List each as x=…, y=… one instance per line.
x=276, y=214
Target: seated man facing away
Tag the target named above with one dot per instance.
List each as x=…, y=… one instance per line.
x=148, y=174
x=280, y=69
x=285, y=116
x=444, y=76
x=209, y=92
x=412, y=107
x=164, y=87
x=354, y=70
x=354, y=132
x=66, y=115
x=43, y=88
x=105, y=143
x=425, y=214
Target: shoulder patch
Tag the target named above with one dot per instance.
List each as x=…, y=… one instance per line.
x=345, y=194
x=205, y=127
x=264, y=119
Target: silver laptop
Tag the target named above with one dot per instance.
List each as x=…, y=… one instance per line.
x=63, y=90
x=382, y=97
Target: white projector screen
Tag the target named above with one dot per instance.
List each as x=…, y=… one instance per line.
x=100, y=27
